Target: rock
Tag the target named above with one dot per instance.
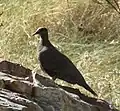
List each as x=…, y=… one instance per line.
x=14, y=68
x=10, y=101
x=38, y=93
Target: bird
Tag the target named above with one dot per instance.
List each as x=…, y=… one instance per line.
x=56, y=64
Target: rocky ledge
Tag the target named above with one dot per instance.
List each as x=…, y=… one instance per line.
x=23, y=90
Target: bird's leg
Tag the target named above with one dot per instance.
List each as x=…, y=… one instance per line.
x=54, y=78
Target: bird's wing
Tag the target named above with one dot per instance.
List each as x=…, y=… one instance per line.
x=53, y=60
x=59, y=65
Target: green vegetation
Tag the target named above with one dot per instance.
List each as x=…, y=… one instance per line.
x=87, y=32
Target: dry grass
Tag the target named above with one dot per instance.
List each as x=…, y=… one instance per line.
x=86, y=32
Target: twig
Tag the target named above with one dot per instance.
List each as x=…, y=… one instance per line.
x=113, y=6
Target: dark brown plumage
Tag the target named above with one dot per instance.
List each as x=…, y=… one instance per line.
x=57, y=65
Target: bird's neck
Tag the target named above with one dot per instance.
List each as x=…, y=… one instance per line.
x=45, y=41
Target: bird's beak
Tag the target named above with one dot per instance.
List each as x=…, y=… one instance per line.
x=34, y=33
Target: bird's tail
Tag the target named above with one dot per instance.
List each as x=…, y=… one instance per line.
x=87, y=87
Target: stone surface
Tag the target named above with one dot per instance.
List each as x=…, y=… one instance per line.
x=10, y=101
x=22, y=90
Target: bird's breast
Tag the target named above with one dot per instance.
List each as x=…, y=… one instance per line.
x=43, y=49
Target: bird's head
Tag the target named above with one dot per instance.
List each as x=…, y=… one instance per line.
x=43, y=32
